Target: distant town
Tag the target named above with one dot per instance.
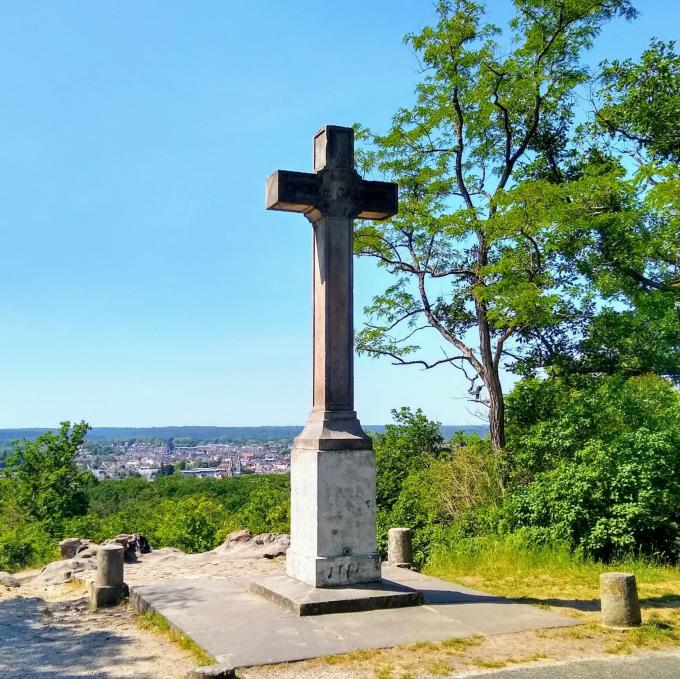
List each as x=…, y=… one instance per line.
x=195, y=451
x=151, y=459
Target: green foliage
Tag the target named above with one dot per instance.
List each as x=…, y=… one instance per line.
x=481, y=159
x=596, y=463
x=191, y=514
x=403, y=448
x=46, y=482
x=425, y=485
x=640, y=100
x=192, y=524
x=26, y=545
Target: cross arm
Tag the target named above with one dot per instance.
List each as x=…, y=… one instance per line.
x=378, y=200
x=292, y=191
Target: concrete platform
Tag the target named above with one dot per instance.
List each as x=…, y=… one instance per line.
x=303, y=599
x=240, y=628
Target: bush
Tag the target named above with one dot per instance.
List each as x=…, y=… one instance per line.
x=26, y=546
x=596, y=463
x=430, y=487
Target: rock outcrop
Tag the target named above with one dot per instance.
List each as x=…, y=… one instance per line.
x=8, y=580
x=242, y=544
x=70, y=547
x=134, y=544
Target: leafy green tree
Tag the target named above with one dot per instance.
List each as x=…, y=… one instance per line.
x=637, y=266
x=192, y=524
x=404, y=447
x=472, y=248
x=267, y=509
x=47, y=484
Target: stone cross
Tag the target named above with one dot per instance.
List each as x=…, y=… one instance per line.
x=332, y=461
x=331, y=198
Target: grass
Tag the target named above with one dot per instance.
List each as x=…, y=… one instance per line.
x=461, y=644
x=155, y=622
x=655, y=633
x=543, y=576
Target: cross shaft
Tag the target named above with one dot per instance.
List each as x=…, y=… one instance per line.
x=331, y=198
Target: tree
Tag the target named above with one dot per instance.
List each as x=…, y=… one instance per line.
x=472, y=246
x=623, y=234
x=639, y=103
x=404, y=447
x=47, y=484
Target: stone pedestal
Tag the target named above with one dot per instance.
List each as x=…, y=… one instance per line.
x=109, y=588
x=619, y=600
x=399, y=550
x=332, y=540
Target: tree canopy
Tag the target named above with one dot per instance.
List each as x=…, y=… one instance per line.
x=523, y=240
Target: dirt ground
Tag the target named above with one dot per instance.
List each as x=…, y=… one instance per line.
x=52, y=635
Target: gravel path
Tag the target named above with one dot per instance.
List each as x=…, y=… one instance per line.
x=61, y=639
x=47, y=631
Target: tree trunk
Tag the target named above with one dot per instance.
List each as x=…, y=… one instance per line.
x=496, y=411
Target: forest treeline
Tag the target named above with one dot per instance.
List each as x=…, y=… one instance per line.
x=591, y=464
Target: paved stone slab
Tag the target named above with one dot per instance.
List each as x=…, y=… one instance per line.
x=303, y=599
x=240, y=628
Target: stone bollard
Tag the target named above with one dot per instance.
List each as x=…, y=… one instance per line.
x=619, y=600
x=399, y=552
x=109, y=588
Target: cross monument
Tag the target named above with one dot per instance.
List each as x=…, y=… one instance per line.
x=332, y=461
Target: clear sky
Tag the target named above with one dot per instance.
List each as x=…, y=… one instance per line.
x=142, y=281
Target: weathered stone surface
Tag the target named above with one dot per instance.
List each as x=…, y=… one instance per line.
x=304, y=599
x=333, y=503
x=109, y=588
x=238, y=536
x=8, y=580
x=240, y=628
x=69, y=547
x=110, y=565
x=243, y=545
x=134, y=544
x=59, y=572
x=399, y=549
x=619, y=600
x=104, y=596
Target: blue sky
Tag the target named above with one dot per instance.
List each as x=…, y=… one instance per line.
x=142, y=282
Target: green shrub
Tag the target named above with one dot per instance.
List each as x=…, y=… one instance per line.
x=596, y=463
x=28, y=545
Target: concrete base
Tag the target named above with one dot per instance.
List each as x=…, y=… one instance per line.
x=332, y=541
x=304, y=599
x=240, y=628
x=102, y=596
x=338, y=571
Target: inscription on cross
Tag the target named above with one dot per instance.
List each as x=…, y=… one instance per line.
x=331, y=197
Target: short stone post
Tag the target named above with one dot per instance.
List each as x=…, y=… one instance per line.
x=109, y=588
x=619, y=600
x=399, y=550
